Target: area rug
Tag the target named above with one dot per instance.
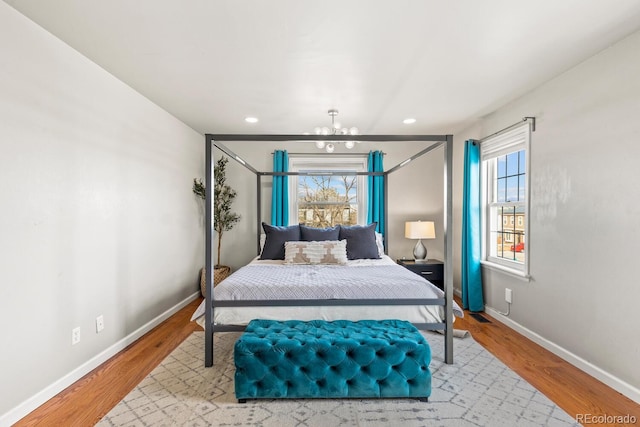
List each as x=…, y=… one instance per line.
x=477, y=390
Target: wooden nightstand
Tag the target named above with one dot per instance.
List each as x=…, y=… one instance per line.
x=431, y=269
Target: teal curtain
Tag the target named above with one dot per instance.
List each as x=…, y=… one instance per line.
x=280, y=192
x=472, y=296
x=375, y=209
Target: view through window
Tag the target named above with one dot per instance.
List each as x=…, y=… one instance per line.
x=507, y=209
x=331, y=194
x=327, y=200
x=505, y=182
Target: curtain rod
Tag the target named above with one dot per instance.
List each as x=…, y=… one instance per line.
x=323, y=173
x=524, y=119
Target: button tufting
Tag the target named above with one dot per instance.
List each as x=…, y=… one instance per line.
x=343, y=366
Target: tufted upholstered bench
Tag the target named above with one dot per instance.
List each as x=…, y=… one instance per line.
x=339, y=359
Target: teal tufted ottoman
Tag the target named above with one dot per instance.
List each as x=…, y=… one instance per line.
x=339, y=359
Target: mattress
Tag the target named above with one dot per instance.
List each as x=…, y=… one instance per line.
x=359, y=279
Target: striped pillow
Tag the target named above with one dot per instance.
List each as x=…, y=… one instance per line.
x=326, y=252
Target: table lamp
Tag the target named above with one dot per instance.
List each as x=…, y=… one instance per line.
x=419, y=230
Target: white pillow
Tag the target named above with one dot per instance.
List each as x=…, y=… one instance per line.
x=380, y=244
x=325, y=252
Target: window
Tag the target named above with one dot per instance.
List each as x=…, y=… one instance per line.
x=325, y=200
x=505, y=190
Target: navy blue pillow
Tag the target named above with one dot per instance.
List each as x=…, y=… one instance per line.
x=309, y=234
x=361, y=241
x=275, y=238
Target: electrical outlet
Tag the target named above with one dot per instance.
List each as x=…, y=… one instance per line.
x=508, y=295
x=99, y=323
x=75, y=336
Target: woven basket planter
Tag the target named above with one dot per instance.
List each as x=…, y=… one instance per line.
x=219, y=274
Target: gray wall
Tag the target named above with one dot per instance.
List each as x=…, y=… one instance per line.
x=582, y=296
x=98, y=216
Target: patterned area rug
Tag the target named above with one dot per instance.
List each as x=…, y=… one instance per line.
x=478, y=390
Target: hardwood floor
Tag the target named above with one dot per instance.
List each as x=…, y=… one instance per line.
x=570, y=388
x=86, y=401
x=90, y=398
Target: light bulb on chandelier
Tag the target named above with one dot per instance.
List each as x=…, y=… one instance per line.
x=336, y=129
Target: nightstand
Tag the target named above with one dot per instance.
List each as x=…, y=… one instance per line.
x=431, y=269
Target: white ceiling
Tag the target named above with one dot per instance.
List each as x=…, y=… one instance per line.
x=211, y=63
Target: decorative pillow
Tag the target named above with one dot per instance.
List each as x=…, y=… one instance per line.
x=275, y=238
x=325, y=252
x=380, y=244
x=361, y=241
x=311, y=234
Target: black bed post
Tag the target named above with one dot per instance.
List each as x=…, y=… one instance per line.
x=386, y=212
x=258, y=209
x=208, y=314
x=448, y=248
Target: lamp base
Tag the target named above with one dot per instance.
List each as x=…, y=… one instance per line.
x=419, y=252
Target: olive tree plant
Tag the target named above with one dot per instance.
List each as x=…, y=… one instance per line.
x=223, y=196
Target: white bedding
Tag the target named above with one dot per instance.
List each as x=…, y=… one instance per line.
x=359, y=279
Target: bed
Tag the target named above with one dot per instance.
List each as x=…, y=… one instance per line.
x=228, y=309
x=361, y=279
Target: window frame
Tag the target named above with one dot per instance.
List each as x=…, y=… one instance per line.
x=329, y=163
x=513, y=140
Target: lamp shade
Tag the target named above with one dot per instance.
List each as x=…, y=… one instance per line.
x=419, y=230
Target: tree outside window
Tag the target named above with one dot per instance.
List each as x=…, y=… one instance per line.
x=327, y=200
x=327, y=192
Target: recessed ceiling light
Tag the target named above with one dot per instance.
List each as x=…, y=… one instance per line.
x=251, y=119
x=409, y=121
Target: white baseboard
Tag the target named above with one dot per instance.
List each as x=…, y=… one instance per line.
x=41, y=397
x=612, y=381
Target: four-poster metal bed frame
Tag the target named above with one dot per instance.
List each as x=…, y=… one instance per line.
x=213, y=140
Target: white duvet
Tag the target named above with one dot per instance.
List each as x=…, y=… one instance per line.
x=359, y=279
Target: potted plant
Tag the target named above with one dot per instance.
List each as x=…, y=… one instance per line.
x=223, y=218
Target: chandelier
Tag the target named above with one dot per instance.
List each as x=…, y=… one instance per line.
x=335, y=129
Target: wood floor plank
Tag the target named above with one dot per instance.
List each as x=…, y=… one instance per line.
x=89, y=399
x=573, y=390
x=86, y=401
